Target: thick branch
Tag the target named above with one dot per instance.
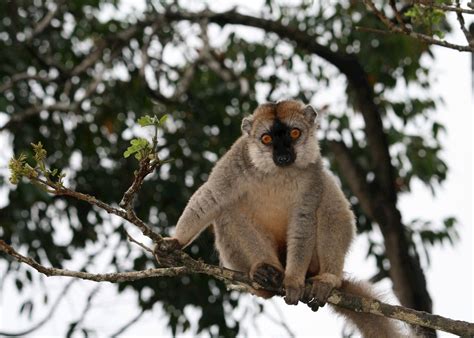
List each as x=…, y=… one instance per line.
x=338, y=298
x=354, y=175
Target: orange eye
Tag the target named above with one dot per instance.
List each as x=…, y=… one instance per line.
x=266, y=139
x=295, y=133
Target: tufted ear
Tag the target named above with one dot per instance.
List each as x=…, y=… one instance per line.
x=310, y=113
x=247, y=125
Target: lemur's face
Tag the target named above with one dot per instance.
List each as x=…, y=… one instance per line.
x=282, y=135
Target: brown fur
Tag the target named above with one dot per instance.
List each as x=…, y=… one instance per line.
x=276, y=223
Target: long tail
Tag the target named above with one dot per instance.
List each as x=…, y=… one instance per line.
x=370, y=326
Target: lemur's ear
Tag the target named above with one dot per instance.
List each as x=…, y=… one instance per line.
x=247, y=125
x=310, y=113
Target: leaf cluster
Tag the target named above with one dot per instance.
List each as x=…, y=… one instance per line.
x=20, y=168
x=141, y=147
x=428, y=19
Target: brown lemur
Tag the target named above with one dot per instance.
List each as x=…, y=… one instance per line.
x=278, y=214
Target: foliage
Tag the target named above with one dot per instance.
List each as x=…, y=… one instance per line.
x=428, y=19
x=20, y=168
x=141, y=147
x=89, y=138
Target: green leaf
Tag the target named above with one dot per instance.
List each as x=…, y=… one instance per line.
x=18, y=168
x=163, y=119
x=137, y=145
x=40, y=152
x=145, y=121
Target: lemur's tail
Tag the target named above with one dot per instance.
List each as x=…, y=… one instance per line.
x=369, y=325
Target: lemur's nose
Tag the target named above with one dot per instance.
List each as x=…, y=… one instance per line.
x=283, y=159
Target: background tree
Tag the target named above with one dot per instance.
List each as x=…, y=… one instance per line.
x=76, y=75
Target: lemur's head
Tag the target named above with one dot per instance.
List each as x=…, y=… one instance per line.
x=281, y=135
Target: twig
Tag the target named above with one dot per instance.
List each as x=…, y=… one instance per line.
x=59, y=106
x=448, y=8
x=462, y=24
x=128, y=324
x=46, y=318
x=281, y=320
x=44, y=23
x=59, y=298
x=143, y=246
x=398, y=16
x=22, y=77
x=35, y=110
x=86, y=308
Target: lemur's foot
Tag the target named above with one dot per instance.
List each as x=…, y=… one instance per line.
x=320, y=290
x=267, y=275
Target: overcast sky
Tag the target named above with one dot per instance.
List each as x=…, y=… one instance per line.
x=450, y=275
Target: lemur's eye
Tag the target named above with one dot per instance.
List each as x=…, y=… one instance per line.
x=295, y=133
x=266, y=139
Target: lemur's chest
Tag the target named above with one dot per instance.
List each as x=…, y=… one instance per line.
x=270, y=206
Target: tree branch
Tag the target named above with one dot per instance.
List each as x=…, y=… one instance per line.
x=46, y=318
x=354, y=175
x=128, y=324
x=44, y=22
x=420, y=36
x=105, y=277
x=338, y=298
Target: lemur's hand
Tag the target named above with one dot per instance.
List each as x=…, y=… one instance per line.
x=168, y=245
x=163, y=251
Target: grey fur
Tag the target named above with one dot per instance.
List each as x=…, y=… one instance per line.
x=263, y=213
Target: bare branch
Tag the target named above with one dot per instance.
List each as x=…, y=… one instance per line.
x=398, y=16
x=281, y=320
x=448, y=8
x=128, y=324
x=105, y=277
x=44, y=22
x=87, y=307
x=133, y=240
x=46, y=318
x=338, y=298
x=462, y=24
x=35, y=110
x=59, y=106
x=420, y=36
x=22, y=77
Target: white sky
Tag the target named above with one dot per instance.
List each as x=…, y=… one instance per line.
x=450, y=276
